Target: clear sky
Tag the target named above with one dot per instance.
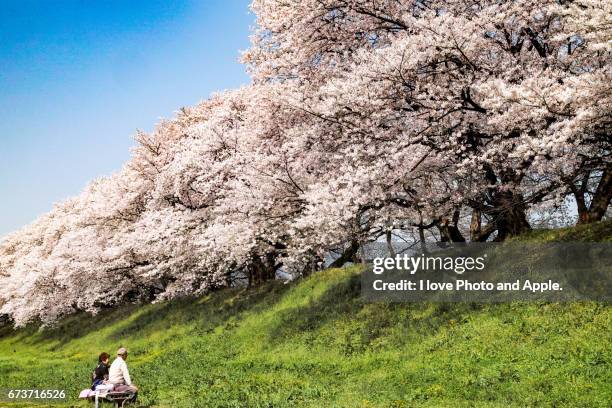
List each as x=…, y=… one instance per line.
x=77, y=78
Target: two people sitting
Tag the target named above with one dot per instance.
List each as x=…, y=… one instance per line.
x=115, y=377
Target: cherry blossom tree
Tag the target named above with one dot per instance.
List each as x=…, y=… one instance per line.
x=455, y=120
x=503, y=94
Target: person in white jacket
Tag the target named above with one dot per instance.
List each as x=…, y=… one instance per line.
x=118, y=373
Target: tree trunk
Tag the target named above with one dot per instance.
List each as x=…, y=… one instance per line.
x=390, y=243
x=422, y=239
x=262, y=270
x=477, y=232
x=579, y=194
x=347, y=256
x=509, y=215
x=475, y=225
x=362, y=254
x=449, y=232
x=599, y=203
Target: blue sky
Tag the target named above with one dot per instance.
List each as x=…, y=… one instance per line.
x=77, y=78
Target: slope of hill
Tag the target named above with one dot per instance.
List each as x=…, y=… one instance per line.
x=314, y=343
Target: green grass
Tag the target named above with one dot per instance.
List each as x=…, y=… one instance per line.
x=597, y=232
x=314, y=343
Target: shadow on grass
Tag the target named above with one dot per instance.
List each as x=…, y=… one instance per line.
x=71, y=327
x=342, y=303
x=203, y=314
x=141, y=320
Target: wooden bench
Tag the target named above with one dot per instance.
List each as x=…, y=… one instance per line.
x=118, y=399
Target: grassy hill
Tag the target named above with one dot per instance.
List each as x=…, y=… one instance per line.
x=314, y=343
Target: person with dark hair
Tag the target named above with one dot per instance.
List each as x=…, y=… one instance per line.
x=100, y=373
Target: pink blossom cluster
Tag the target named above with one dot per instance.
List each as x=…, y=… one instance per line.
x=456, y=119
